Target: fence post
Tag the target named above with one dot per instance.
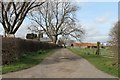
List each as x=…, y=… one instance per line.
x=98, y=48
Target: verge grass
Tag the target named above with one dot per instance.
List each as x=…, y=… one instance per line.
x=100, y=62
x=28, y=60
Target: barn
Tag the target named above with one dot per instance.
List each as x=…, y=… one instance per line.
x=85, y=45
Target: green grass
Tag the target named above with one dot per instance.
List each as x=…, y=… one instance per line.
x=27, y=61
x=100, y=62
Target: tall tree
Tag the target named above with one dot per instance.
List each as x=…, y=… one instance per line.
x=115, y=39
x=12, y=14
x=57, y=18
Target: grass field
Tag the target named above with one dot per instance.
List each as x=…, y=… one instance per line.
x=102, y=62
x=27, y=61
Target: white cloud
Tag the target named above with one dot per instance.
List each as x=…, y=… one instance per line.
x=97, y=38
x=93, y=34
x=104, y=18
x=91, y=30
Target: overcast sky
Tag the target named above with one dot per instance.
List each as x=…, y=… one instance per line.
x=97, y=18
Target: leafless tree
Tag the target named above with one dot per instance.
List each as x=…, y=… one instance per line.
x=115, y=37
x=12, y=14
x=57, y=18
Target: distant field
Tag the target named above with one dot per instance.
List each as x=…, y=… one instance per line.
x=102, y=62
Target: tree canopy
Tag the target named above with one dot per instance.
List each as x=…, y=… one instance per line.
x=57, y=18
x=12, y=14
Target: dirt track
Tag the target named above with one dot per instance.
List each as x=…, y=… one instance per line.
x=62, y=64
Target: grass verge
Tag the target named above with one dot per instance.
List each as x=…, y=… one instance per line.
x=27, y=61
x=100, y=62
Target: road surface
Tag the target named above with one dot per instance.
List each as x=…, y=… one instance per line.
x=61, y=64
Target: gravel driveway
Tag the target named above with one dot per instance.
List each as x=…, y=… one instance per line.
x=62, y=64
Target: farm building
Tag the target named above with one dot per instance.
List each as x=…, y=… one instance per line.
x=85, y=45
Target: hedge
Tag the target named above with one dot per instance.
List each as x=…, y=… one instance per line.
x=14, y=48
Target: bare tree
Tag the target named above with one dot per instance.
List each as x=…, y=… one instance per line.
x=115, y=34
x=12, y=14
x=57, y=18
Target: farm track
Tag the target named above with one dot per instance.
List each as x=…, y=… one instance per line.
x=62, y=64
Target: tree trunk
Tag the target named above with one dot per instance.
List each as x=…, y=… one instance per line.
x=56, y=38
x=9, y=33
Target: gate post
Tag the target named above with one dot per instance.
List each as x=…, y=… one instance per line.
x=98, y=48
